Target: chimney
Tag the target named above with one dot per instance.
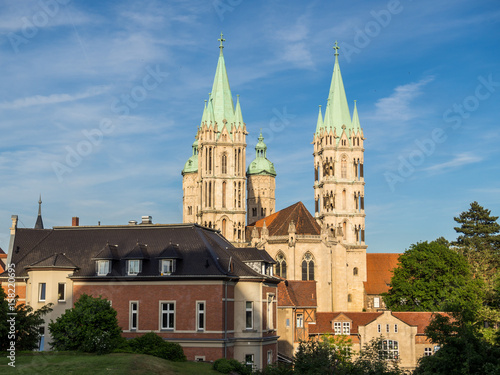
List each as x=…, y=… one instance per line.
x=75, y=221
x=14, y=224
x=132, y=222
x=147, y=220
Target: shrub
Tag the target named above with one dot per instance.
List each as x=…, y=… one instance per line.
x=226, y=366
x=152, y=344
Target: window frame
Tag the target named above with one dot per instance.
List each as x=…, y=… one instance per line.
x=168, y=312
x=248, y=314
x=346, y=328
x=201, y=313
x=299, y=320
x=133, y=313
x=101, y=262
x=376, y=302
x=270, y=311
x=42, y=292
x=337, y=328
x=129, y=267
x=63, y=292
x=172, y=266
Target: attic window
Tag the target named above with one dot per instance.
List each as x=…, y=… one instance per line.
x=134, y=267
x=103, y=267
x=167, y=266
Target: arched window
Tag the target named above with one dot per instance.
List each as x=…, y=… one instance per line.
x=344, y=230
x=355, y=271
x=280, y=266
x=224, y=227
x=343, y=167
x=224, y=163
x=224, y=194
x=308, y=267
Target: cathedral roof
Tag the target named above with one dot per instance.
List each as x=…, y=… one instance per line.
x=379, y=268
x=278, y=223
x=261, y=165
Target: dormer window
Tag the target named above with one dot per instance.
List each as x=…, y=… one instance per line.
x=103, y=267
x=167, y=266
x=134, y=267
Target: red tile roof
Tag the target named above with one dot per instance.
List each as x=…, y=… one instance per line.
x=419, y=319
x=379, y=268
x=324, y=321
x=297, y=293
x=278, y=223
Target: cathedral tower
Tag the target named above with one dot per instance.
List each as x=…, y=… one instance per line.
x=261, y=184
x=214, y=182
x=339, y=192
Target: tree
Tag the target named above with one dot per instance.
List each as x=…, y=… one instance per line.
x=463, y=349
x=27, y=322
x=429, y=275
x=91, y=326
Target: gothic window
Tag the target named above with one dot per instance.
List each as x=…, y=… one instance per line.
x=224, y=194
x=343, y=199
x=190, y=210
x=280, y=266
x=224, y=227
x=254, y=211
x=210, y=159
x=308, y=267
x=355, y=271
x=343, y=166
x=224, y=163
x=239, y=194
x=344, y=230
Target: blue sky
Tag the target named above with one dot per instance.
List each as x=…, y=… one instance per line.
x=100, y=101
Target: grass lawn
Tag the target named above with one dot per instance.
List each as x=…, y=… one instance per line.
x=90, y=364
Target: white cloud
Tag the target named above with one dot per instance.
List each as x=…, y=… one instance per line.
x=457, y=161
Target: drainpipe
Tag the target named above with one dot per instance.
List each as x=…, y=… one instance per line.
x=225, y=319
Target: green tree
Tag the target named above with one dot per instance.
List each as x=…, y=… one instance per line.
x=27, y=323
x=463, y=348
x=428, y=276
x=91, y=326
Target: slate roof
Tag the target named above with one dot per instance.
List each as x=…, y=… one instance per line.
x=324, y=321
x=277, y=223
x=295, y=293
x=202, y=252
x=252, y=254
x=59, y=260
x=379, y=268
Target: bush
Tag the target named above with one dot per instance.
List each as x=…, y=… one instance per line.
x=226, y=366
x=152, y=344
x=91, y=326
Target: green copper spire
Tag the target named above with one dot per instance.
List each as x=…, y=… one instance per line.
x=320, y=121
x=337, y=110
x=261, y=165
x=355, y=119
x=204, y=117
x=191, y=165
x=210, y=111
x=223, y=106
x=238, y=115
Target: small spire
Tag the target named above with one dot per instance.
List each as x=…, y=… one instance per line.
x=39, y=221
x=319, y=124
x=355, y=118
x=336, y=48
x=221, y=40
x=238, y=115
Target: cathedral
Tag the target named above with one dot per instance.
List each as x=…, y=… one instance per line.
x=218, y=193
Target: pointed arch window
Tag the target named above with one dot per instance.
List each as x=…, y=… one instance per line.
x=308, y=267
x=224, y=194
x=343, y=167
x=224, y=227
x=224, y=163
x=280, y=266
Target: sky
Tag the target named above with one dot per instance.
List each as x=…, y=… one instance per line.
x=100, y=102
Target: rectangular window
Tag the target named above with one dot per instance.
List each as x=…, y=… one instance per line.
x=200, y=316
x=134, y=267
x=379, y=328
x=337, y=328
x=270, y=311
x=249, y=315
x=346, y=328
x=41, y=292
x=376, y=302
x=249, y=361
x=300, y=321
x=61, y=292
x=134, y=315
x=103, y=267
x=269, y=357
x=167, y=266
x=167, y=314
x=427, y=352
x=395, y=328
x=387, y=328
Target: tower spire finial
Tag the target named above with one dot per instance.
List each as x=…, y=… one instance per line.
x=221, y=40
x=336, y=48
x=39, y=221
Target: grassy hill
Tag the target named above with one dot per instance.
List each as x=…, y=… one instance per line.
x=90, y=364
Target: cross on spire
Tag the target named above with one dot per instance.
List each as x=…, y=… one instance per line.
x=221, y=40
x=336, y=48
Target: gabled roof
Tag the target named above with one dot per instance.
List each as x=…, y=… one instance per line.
x=109, y=252
x=278, y=223
x=379, y=268
x=170, y=252
x=295, y=293
x=324, y=321
x=419, y=319
x=204, y=252
x=59, y=260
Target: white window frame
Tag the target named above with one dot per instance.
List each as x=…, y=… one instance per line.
x=133, y=312
x=64, y=292
x=168, y=312
x=202, y=313
x=42, y=292
x=170, y=263
x=248, y=311
x=390, y=349
x=337, y=328
x=269, y=357
x=376, y=302
x=132, y=270
x=107, y=267
x=427, y=352
x=346, y=328
x=299, y=320
x=270, y=311
x=249, y=360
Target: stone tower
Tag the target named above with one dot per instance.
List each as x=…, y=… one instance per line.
x=339, y=190
x=261, y=184
x=214, y=182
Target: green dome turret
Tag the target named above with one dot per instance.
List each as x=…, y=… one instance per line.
x=191, y=165
x=261, y=165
